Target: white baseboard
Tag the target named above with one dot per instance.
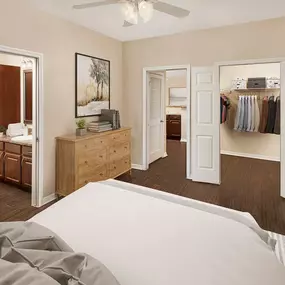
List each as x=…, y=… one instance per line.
x=165, y=155
x=138, y=167
x=183, y=140
x=48, y=199
x=249, y=155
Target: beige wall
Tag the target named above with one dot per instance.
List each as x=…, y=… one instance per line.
x=198, y=48
x=24, y=27
x=266, y=145
x=177, y=81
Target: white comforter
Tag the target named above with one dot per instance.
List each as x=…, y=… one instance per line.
x=146, y=237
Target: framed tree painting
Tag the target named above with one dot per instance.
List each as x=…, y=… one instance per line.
x=92, y=85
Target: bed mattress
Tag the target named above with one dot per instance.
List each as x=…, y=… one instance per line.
x=149, y=237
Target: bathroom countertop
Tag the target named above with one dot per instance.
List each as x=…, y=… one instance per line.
x=9, y=140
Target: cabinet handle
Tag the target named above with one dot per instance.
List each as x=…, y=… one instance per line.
x=115, y=151
x=126, y=147
x=101, y=174
x=115, y=167
x=101, y=156
x=13, y=159
x=86, y=181
x=86, y=162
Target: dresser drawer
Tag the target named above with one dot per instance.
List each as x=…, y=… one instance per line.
x=27, y=151
x=119, y=137
x=1, y=146
x=92, y=158
x=90, y=144
x=118, y=151
x=92, y=175
x=12, y=148
x=120, y=166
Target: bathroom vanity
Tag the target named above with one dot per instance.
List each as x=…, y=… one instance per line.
x=16, y=162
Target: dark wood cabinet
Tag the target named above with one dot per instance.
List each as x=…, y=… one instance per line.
x=16, y=164
x=12, y=164
x=27, y=172
x=2, y=164
x=173, y=126
x=10, y=90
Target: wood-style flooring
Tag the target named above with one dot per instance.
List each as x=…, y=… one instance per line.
x=248, y=185
x=15, y=204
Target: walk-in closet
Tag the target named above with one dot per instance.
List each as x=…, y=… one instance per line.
x=250, y=97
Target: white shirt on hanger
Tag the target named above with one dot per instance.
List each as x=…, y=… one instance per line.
x=252, y=113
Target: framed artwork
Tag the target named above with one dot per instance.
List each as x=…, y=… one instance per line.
x=92, y=85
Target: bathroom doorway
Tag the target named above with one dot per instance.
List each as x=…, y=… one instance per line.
x=21, y=120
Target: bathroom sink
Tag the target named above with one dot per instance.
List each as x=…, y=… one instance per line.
x=22, y=139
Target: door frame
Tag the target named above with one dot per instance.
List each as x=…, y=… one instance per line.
x=162, y=107
x=217, y=67
x=145, y=152
x=38, y=122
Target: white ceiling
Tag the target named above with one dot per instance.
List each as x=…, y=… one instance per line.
x=204, y=14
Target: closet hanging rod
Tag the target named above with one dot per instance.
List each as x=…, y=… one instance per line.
x=257, y=89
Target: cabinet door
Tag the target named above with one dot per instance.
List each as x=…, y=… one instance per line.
x=12, y=168
x=175, y=128
x=27, y=172
x=1, y=164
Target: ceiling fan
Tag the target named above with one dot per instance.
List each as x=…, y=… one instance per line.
x=135, y=9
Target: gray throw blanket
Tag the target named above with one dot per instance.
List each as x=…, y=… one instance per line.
x=32, y=254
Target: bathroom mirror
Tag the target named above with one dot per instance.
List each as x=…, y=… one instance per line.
x=177, y=97
x=28, y=97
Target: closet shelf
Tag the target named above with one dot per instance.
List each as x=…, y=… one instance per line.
x=258, y=89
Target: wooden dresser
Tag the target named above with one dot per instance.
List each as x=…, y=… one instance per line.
x=91, y=158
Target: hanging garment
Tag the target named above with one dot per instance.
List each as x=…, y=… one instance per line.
x=271, y=115
x=277, y=119
x=241, y=117
x=245, y=120
x=264, y=115
x=231, y=116
x=224, y=106
x=249, y=108
x=238, y=114
x=256, y=115
x=252, y=127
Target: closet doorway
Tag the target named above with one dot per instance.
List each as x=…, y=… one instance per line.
x=251, y=128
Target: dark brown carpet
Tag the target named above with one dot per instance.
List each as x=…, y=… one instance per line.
x=248, y=185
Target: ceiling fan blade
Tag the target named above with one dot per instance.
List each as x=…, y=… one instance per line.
x=171, y=9
x=127, y=24
x=95, y=4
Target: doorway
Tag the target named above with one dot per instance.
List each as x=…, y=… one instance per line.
x=22, y=152
x=162, y=101
x=260, y=82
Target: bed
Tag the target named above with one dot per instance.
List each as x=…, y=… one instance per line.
x=148, y=237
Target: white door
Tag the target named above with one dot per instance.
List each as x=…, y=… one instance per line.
x=205, y=136
x=282, y=136
x=156, y=115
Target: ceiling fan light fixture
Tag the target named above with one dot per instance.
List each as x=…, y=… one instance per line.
x=130, y=13
x=146, y=10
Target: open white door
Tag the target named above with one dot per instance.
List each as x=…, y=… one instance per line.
x=155, y=112
x=282, y=128
x=205, y=135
